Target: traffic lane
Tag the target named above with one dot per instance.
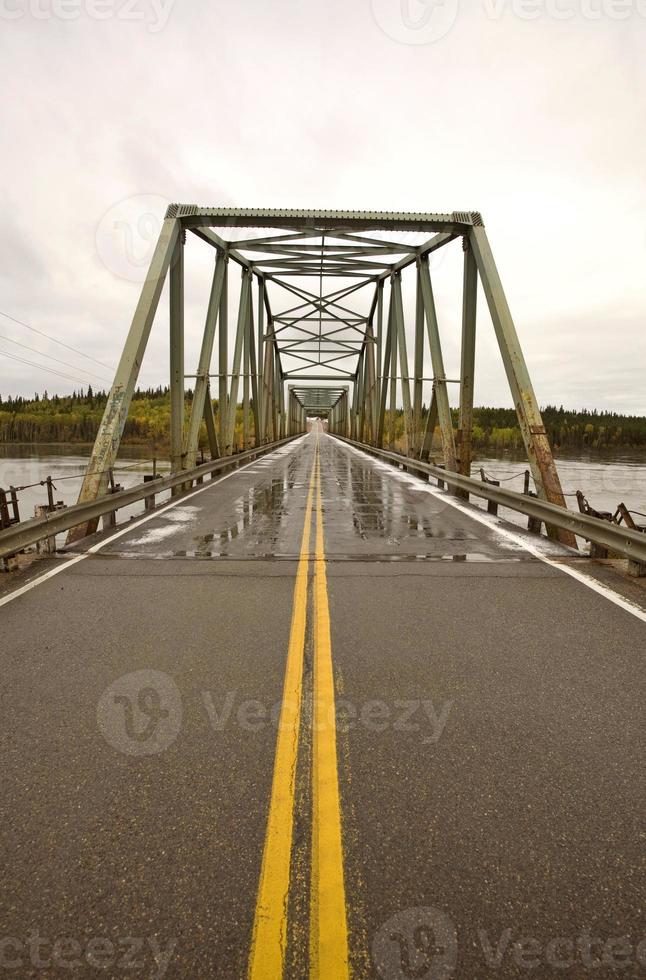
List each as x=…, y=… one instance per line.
x=256, y=512
x=493, y=759
x=165, y=847
x=373, y=510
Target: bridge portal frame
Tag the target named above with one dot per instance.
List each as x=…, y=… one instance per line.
x=382, y=369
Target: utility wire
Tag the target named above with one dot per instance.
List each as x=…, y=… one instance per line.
x=51, y=357
x=42, y=333
x=41, y=367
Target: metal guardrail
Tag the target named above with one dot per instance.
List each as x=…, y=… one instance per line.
x=20, y=536
x=624, y=541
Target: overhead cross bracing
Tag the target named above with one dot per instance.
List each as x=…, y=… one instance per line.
x=325, y=324
x=321, y=330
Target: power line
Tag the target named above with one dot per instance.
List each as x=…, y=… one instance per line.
x=41, y=367
x=52, y=358
x=75, y=350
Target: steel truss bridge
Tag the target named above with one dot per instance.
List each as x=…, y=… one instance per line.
x=316, y=713
x=338, y=350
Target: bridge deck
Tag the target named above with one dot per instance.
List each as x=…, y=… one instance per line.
x=488, y=738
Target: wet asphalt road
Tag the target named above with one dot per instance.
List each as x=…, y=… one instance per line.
x=490, y=741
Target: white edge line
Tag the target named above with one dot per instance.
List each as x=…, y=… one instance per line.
x=586, y=580
x=131, y=526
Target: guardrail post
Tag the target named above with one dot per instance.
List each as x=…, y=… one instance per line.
x=14, y=504
x=533, y=524
x=5, y=520
x=492, y=507
x=110, y=519
x=48, y=545
x=596, y=550
x=149, y=502
x=636, y=569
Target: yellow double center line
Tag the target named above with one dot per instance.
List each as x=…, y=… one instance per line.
x=328, y=924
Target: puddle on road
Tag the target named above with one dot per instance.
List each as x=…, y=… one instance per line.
x=260, y=514
x=382, y=509
x=368, y=516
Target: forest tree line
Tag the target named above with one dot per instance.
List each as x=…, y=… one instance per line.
x=75, y=418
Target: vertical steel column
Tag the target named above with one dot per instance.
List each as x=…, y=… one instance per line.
x=241, y=328
x=357, y=399
x=246, y=364
x=278, y=388
x=392, y=326
x=223, y=360
x=403, y=360
x=204, y=366
x=260, y=360
x=268, y=385
x=380, y=328
x=364, y=416
x=282, y=409
x=370, y=394
x=278, y=383
x=211, y=431
x=361, y=395
x=106, y=445
x=419, y=369
x=177, y=355
x=539, y=452
x=431, y=422
x=383, y=387
x=439, y=375
x=254, y=377
x=468, y=357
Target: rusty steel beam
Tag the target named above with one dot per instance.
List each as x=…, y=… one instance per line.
x=537, y=445
x=107, y=442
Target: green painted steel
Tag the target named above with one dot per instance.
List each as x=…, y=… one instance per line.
x=315, y=337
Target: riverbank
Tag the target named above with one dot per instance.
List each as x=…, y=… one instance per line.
x=75, y=420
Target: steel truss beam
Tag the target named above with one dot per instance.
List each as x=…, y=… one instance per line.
x=366, y=389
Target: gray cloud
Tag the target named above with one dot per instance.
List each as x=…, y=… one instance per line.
x=535, y=122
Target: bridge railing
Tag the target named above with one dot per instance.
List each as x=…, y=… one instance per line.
x=631, y=544
x=19, y=536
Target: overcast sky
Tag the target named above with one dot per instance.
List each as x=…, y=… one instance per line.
x=532, y=113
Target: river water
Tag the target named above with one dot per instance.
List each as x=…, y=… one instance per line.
x=606, y=478
x=24, y=466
